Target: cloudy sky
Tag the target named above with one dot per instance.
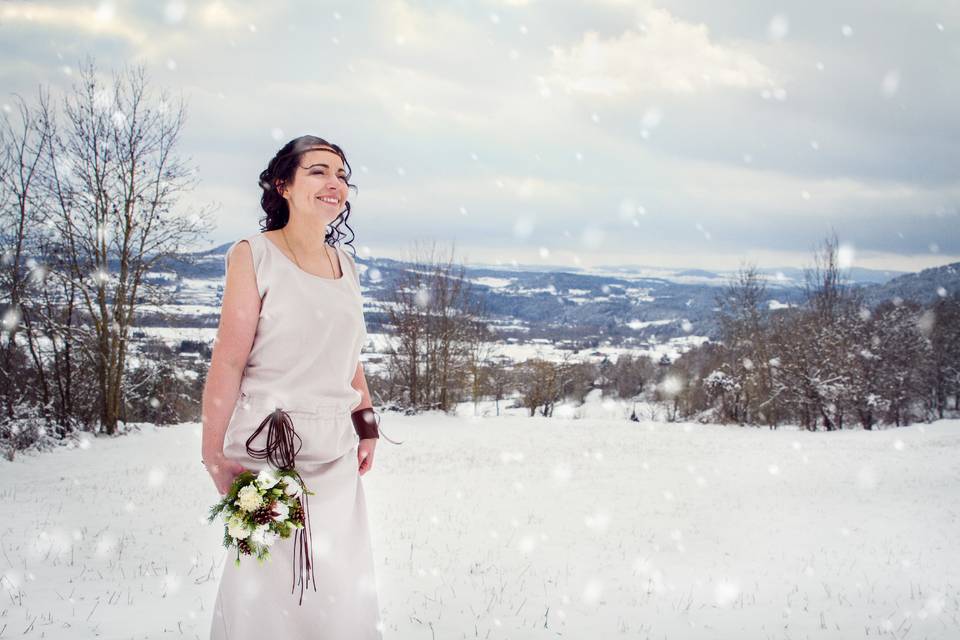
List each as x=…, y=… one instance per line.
x=669, y=133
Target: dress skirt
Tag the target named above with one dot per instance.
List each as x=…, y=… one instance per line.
x=257, y=601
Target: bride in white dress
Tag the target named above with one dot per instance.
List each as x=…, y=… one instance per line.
x=291, y=330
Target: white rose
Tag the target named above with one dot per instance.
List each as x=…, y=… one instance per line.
x=283, y=511
x=249, y=498
x=267, y=478
x=290, y=486
x=269, y=537
x=237, y=529
x=260, y=535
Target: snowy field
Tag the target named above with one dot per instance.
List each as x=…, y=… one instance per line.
x=525, y=528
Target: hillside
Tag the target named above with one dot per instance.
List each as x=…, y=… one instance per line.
x=630, y=307
x=923, y=287
x=525, y=528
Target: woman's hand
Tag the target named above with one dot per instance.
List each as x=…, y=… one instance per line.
x=223, y=471
x=365, y=454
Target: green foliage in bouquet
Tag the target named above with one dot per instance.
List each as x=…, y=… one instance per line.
x=259, y=509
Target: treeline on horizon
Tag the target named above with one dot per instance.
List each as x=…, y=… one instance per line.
x=832, y=362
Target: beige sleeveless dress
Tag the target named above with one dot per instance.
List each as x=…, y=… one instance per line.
x=303, y=359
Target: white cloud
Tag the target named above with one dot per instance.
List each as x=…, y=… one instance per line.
x=137, y=26
x=408, y=26
x=219, y=15
x=485, y=193
x=419, y=99
x=96, y=20
x=667, y=55
x=491, y=125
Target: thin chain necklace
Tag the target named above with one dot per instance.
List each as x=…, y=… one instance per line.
x=333, y=269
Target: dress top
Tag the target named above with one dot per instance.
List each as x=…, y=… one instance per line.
x=310, y=332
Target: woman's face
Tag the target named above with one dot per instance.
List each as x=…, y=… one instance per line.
x=319, y=187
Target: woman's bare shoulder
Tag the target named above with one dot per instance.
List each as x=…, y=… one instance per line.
x=243, y=270
x=240, y=308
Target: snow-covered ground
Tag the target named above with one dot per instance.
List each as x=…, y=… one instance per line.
x=514, y=527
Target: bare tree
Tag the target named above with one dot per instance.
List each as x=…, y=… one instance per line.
x=743, y=325
x=905, y=354
x=478, y=349
x=943, y=328
x=538, y=381
x=575, y=379
x=827, y=335
x=824, y=282
x=23, y=147
x=435, y=325
x=114, y=180
x=631, y=375
x=499, y=376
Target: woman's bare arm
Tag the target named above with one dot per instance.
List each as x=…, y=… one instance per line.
x=239, y=316
x=359, y=383
x=366, y=446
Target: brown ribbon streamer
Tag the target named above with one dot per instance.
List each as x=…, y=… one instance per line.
x=381, y=432
x=280, y=453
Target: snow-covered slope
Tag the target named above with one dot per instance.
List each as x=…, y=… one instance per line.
x=515, y=527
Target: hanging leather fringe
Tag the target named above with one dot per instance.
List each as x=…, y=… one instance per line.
x=280, y=453
x=280, y=434
x=303, y=550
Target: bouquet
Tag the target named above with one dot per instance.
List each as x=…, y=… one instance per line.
x=259, y=509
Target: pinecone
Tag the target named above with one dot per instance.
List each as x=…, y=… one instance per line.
x=296, y=512
x=244, y=547
x=264, y=515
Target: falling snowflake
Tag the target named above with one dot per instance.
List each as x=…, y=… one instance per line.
x=174, y=12
x=652, y=117
x=105, y=12
x=779, y=27
x=890, y=83
x=11, y=318
x=845, y=255
x=725, y=593
x=156, y=476
x=592, y=591
x=598, y=522
x=671, y=385
x=592, y=237
x=527, y=543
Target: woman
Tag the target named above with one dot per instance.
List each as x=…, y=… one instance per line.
x=290, y=335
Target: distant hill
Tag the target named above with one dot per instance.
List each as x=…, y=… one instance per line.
x=627, y=306
x=855, y=275
x=923, y=287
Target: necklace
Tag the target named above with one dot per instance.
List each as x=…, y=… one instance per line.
x=333, y=269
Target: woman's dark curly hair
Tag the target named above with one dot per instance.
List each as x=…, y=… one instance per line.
x=282, y=168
